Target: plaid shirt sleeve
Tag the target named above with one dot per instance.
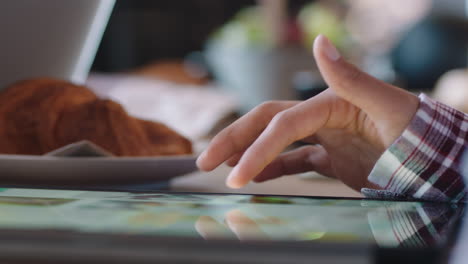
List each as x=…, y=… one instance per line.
x=424, y=162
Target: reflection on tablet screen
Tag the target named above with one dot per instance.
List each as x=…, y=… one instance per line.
x=239, y=217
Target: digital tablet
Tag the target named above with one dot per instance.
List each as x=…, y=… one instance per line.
x=56, y=225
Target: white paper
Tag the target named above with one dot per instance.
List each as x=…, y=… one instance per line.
x=190, y=110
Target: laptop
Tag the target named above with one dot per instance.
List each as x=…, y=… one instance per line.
x=50, y=38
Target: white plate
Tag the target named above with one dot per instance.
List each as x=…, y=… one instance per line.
x=52, y=170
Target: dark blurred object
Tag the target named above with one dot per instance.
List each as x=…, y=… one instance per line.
x=428, y=50
x=143, y=31
x=308, y=84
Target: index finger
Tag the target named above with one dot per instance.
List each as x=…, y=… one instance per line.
x=239, y=135
x=286, y=127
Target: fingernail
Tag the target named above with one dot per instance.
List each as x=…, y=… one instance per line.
x=329, y=49
x=230, y=181
x=199, y=160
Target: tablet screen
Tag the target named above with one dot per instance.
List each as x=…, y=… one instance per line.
x=229, y=216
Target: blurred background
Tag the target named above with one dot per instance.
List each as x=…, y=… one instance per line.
x=218, y=59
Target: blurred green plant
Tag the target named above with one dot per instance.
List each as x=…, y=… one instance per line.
x=315, y=19
x=246, y=29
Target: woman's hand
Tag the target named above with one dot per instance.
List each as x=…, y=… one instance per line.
x=350, y=124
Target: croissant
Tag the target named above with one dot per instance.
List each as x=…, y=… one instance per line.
x=41, y=115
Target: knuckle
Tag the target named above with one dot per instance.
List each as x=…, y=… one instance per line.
x=281, y=120
x=267, y=111
x=287, y=125
x=266, y=106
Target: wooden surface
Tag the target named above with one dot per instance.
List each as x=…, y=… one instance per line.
x=312, y=185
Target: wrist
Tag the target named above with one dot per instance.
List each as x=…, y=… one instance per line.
x=422, y=162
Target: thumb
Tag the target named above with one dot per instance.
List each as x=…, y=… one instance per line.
x=379, y=100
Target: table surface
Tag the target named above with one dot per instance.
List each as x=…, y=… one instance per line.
x=303, y=185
